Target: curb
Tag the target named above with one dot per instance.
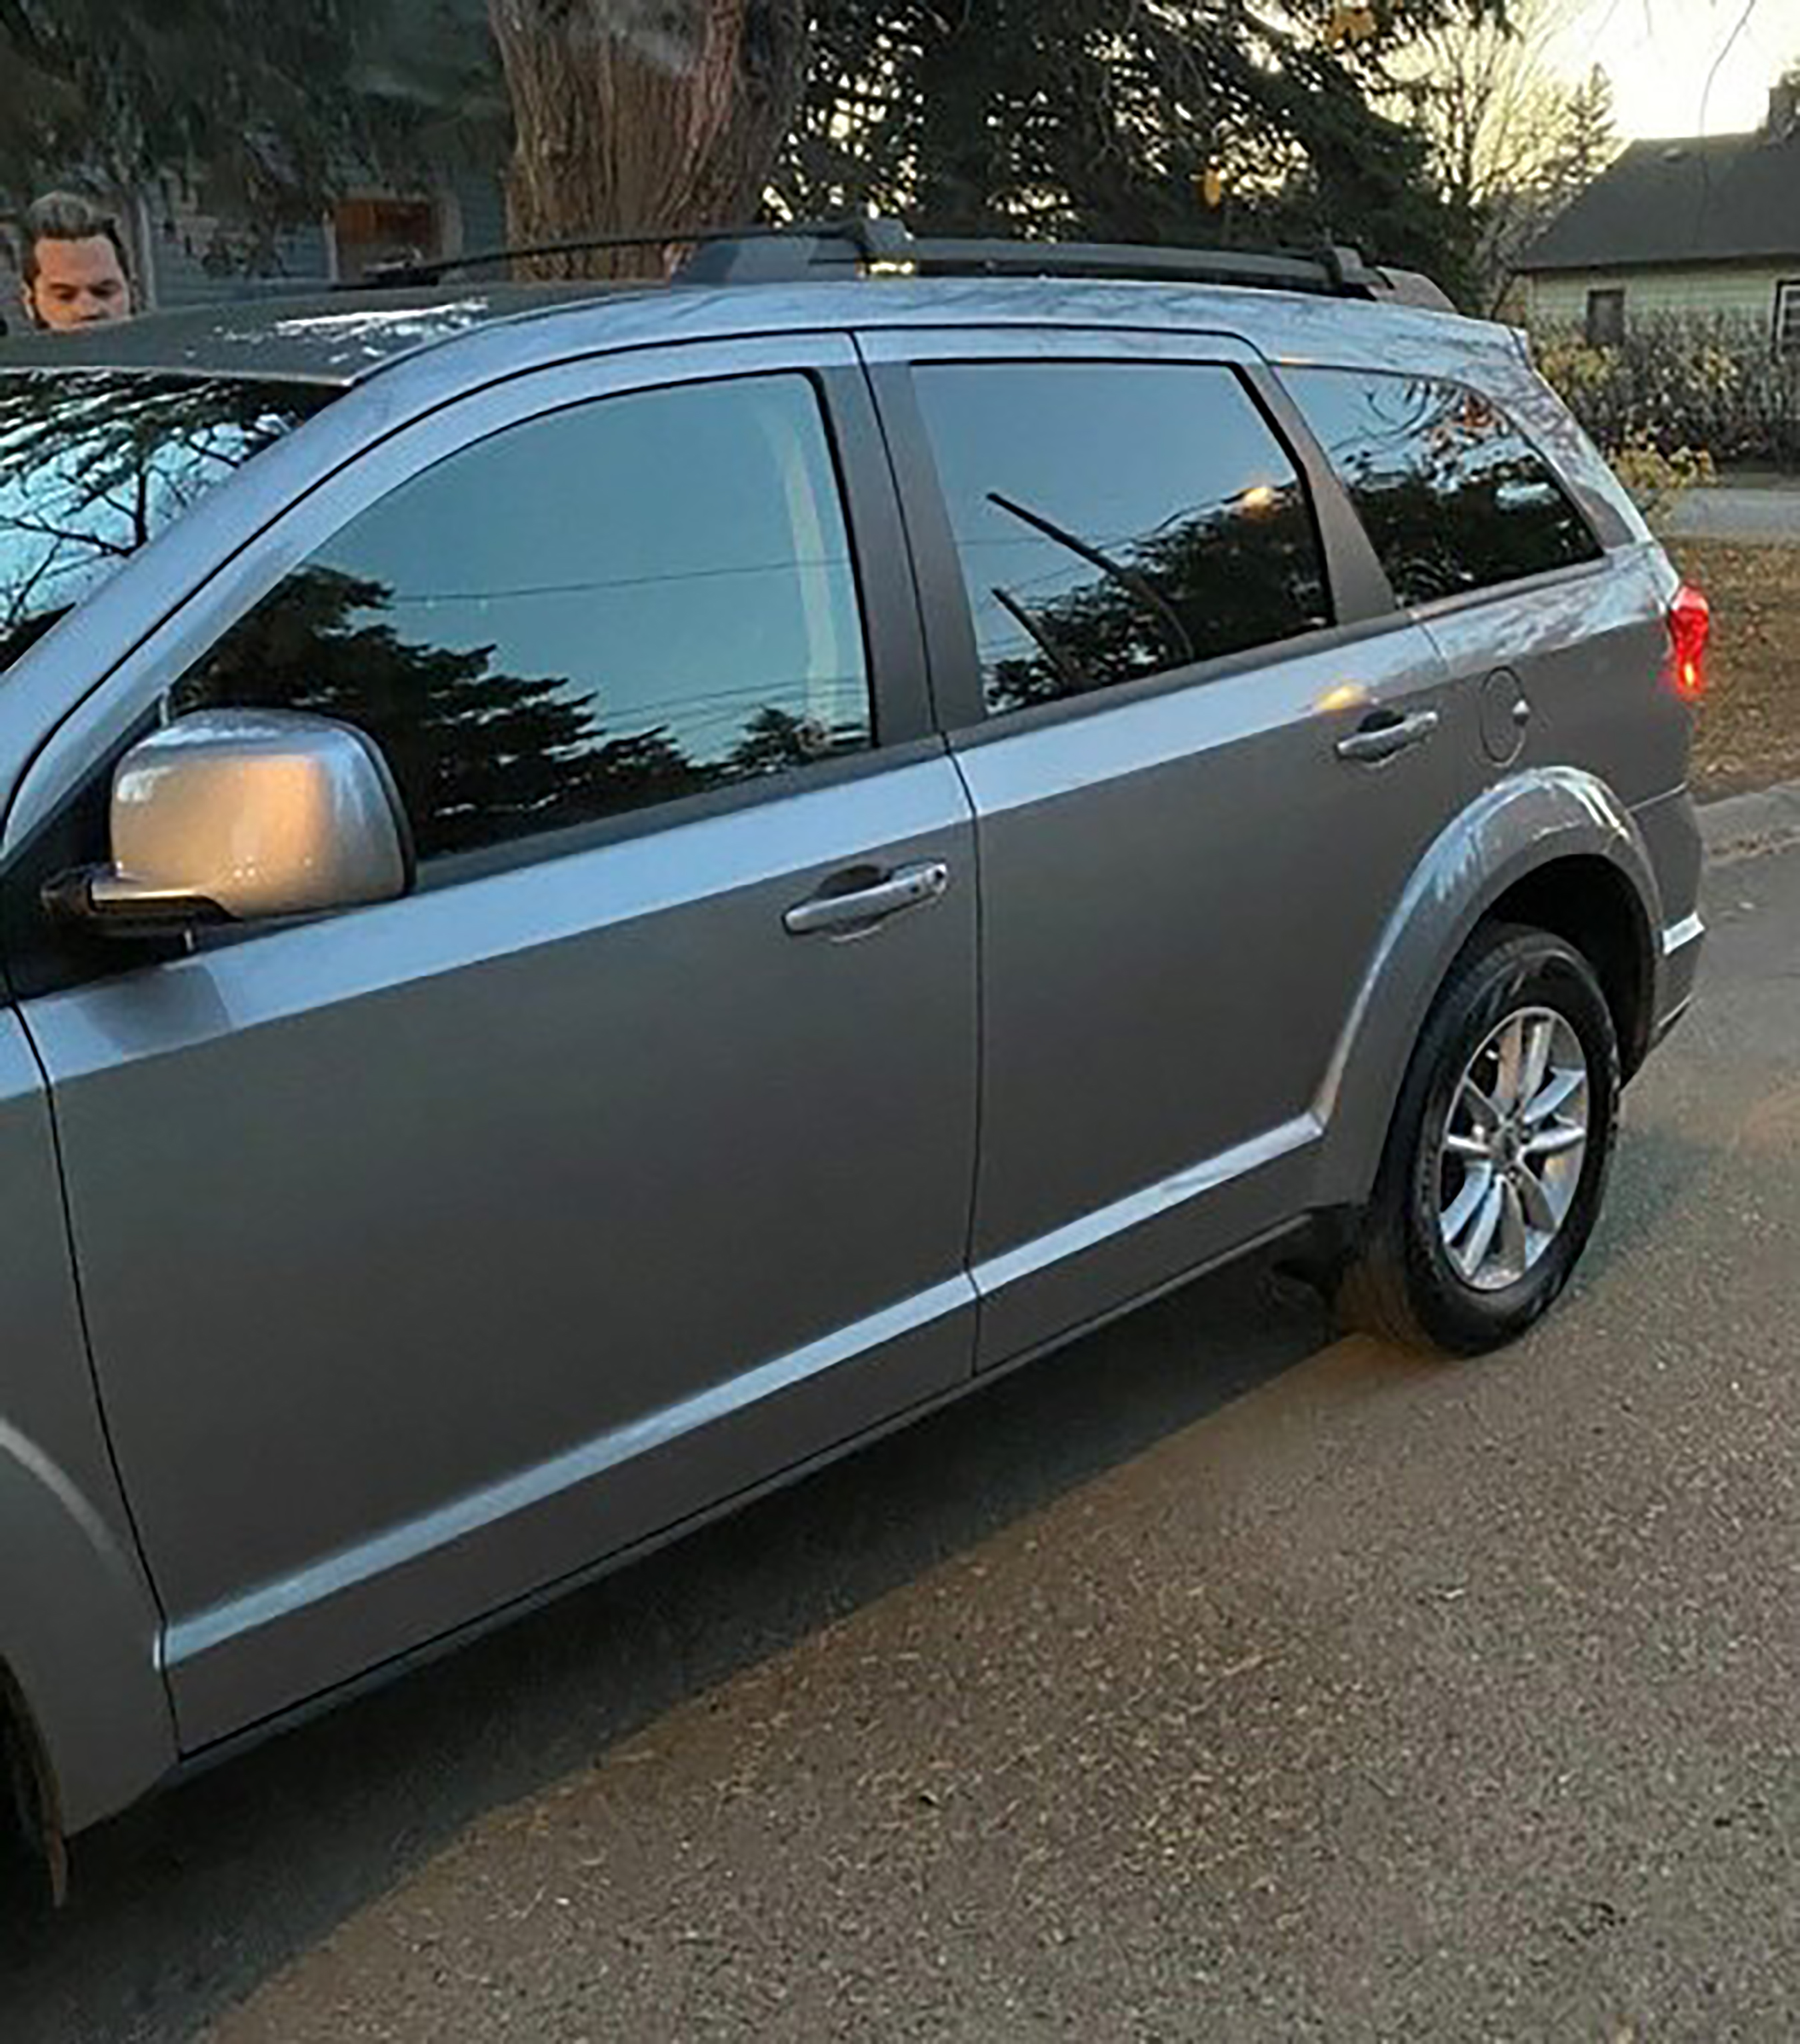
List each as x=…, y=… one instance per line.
x=1743, y=825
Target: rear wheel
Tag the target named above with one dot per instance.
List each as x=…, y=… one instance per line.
x=1498, y=1155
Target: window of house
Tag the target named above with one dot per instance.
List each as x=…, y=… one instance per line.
x=371, y=231
x=1787, y=317
x=1605, y=318
x=1115, y=521
x=632, y=600
x=1451, y=495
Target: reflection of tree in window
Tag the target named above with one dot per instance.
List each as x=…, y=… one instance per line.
x=94, y=463
x=478, y=757
x=1116, y=521
x=617, y=605
x=1452, y=497
x=1225, y=579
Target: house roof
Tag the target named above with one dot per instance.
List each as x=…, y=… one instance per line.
x=1720, y=198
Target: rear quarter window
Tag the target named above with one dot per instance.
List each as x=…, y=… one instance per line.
x=1453, y=496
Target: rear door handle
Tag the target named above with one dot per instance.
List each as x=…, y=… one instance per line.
x=1385, y=733
x=861, y=908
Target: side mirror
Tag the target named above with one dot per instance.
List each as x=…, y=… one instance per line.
x=240, y=816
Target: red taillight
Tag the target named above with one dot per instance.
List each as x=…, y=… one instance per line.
x=1690, y=627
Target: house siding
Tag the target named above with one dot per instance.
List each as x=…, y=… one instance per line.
x=194, y=258
x=189, y=257
x=1746, y=291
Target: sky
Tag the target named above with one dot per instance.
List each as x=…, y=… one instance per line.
x=1660, y=53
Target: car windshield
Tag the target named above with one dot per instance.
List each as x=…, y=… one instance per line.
x=93, y=463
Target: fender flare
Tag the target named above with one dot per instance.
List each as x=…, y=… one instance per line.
x=1529, y=822
x=80, y=1638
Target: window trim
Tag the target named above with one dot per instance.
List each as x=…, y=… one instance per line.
x=1613, y=296
x=1786, y=316
x=87, y=740
x=1356, y=588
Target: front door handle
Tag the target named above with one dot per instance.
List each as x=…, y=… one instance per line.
x=861, y=906
x=1385, y=733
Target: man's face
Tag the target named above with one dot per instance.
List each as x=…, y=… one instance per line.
x=78, y=283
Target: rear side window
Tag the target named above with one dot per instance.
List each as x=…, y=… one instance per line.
x=1115, y=521
x=1453, y=496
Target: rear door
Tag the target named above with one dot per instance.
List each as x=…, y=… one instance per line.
x=431, y=1251
x=1205, y=752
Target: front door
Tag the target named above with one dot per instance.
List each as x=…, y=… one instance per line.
x=431, y=1252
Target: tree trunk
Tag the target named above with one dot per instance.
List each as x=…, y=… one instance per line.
x=632, y=117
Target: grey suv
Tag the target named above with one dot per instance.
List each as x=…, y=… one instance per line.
x=603, y=893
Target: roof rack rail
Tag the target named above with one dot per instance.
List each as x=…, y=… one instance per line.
x=795, y=237
x=836, y=246
x=795, y=251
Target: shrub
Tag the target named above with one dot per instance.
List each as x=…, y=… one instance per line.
x=1674, y=385
x=1657, y=481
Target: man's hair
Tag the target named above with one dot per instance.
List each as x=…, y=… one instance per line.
x=62, y=215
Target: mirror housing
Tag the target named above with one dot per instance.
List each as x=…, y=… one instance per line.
x=243, y=816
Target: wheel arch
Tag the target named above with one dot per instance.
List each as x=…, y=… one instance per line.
x=82, y=1700
x=1554, y=849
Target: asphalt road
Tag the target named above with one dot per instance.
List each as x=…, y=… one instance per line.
x=1728, y=511
x=1210, y=1682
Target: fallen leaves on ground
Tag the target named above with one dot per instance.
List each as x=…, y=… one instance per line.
x=1749, y=734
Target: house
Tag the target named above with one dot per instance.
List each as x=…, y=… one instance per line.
x=180, y=254
x=1701, y=230
x=184, y=256
x=185, y=252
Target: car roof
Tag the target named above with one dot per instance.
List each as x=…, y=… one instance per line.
x=337, y=337
x=343, y=338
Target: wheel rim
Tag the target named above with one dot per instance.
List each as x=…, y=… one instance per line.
x=1510, y=1157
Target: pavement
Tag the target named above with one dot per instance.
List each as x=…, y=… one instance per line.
x=1746, y=514
x=1765, y=819
x=1214, y=1681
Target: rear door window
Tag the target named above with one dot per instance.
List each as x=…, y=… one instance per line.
x=1116, y=521
x=1452, y=495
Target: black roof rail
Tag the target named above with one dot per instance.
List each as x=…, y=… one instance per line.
x=795, y=251
x=804, y=245
x=825, y=247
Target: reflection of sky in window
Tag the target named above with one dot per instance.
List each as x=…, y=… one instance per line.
x=1380, y=429
x=678, y=556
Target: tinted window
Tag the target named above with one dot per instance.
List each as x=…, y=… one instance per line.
x=626, y=602
x=94, y=462
x=1453, y=497
x=1116, y=521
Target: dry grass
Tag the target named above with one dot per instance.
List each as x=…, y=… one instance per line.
x=1749, y=729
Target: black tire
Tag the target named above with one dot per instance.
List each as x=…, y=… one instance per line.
x=1399, y=1282
x=24, y=1891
